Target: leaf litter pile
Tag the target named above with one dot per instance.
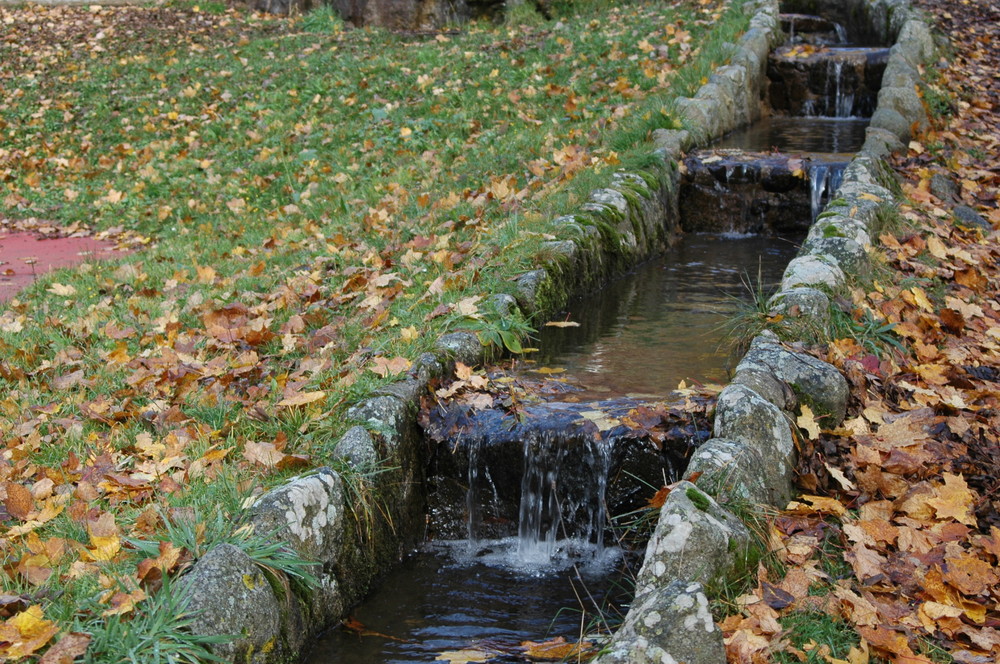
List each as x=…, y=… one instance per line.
x=892, y=552
x=309, y=207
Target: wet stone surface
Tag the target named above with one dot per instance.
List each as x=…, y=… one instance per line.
x=837, y=82
x=753, y=192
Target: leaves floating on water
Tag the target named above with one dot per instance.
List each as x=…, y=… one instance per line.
x=465, y=656
x=562, y=323
x=558, y=649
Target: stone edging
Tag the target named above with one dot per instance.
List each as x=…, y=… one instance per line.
x=751, y=455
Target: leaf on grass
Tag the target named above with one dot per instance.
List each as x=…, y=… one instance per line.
x=104, y=540
x=385, y=367
x=19, y=501
x=66, y=649
x=26, y=633
x=300, y=398
x=263, y=454
x=63, y=290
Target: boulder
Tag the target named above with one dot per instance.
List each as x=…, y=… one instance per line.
x=669, y=625
x=812, y=271
x=815, y=383
x=694, y=540
x=801, y=301
x=730, y=468
x=229, y=595
x=745, y=416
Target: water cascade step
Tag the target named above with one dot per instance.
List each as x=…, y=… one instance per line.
x=732, y=191
x=551, y=471
x=815, y=30
x=839, y=82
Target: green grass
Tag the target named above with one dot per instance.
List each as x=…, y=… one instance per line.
x=818, y=634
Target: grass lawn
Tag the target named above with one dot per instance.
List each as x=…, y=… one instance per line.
x=310, y=207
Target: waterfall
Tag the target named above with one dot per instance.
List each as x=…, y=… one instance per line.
x=539, y=517
x=824, y=180
x=841, y=33
x=843, y=101
x=551, y=510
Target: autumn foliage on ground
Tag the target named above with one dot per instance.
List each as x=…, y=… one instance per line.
x=892, y=552
x=308, y=207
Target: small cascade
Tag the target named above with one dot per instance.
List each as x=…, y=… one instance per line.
x=824, y=180
x=814, y=30
x=841, y=33
x=825, y=81
x=540, y=516
x=552, y=511
x=842, y=95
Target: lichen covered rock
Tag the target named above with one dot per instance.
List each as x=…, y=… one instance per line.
x=669, y=625
x=695, y=540
x=229, y=595
x=743, y=415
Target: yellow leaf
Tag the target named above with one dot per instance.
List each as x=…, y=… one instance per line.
x=206, y=274
x=920, y=298
x=405, y=132
x=466, y=656
x=562, y=323
x=31, y=631
x=870, y=197
x=301, y=398
x=808, y=422
x=603, y=421
x=384, y=367
x=467, y=306
x=824, y=504
x=936, y=247
x=409, y=333
x=953, y=500
x=264, y=454
x=60, y=289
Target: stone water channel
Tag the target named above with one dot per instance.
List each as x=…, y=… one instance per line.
x=521, y=546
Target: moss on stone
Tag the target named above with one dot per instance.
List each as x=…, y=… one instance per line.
x=700, y=500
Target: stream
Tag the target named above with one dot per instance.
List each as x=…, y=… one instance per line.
x=531, y=568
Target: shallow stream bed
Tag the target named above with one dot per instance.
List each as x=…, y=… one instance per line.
x=638, y=337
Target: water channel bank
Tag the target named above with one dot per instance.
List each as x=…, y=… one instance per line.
x=752, y=438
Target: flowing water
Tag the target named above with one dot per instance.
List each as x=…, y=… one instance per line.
x=637, y=338
x=665, y=322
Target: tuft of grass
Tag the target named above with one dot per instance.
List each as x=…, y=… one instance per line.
x=819, y=635
x=323, y=20
x=159, y=635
